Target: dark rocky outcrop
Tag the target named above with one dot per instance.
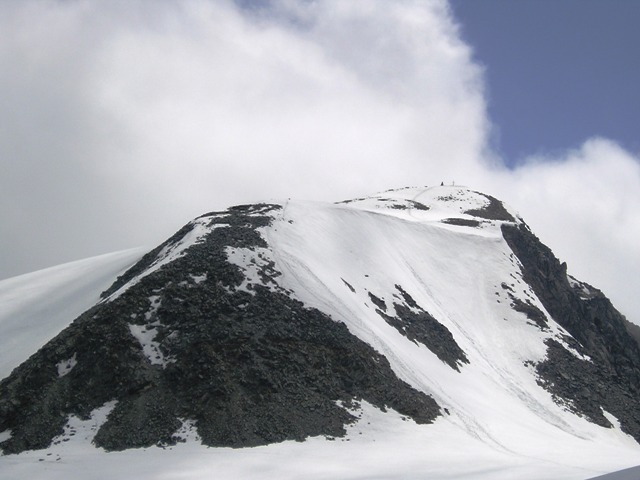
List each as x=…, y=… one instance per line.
x=633, y=329
x=533, y=313
x=420, y=326
x=494, y=210
x=462, y=222
x=610, y=379
x=417, y=205
x=250, y=365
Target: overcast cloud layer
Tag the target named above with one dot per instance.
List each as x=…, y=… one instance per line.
x=121, y=121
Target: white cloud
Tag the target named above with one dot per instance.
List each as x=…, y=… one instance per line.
x=126, y=119
x=120, y=121
x=324, y=99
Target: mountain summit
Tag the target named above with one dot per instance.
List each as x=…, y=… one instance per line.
x=284, y=321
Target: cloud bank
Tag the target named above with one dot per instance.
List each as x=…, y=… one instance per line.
x=121, y=121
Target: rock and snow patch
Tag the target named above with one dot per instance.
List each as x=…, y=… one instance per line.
x=146, y=334
x=198, y=279
x=187, y=432
x=155, y=305
x=83, y=431
x=201, y=228
x=584, y=290
x=6, y=435
x=370, y=421
x=561, y=338
x=36, y=306
x=257, y=265
x=615, y=425
x=65, y=366
x=450, y=206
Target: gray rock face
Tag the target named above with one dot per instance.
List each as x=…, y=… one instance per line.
x=611, y=379
x=493, y=211
x=419, y=326
x=250, y=367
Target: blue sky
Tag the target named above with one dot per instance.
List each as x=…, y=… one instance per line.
x=121, y=120
x=557, y=71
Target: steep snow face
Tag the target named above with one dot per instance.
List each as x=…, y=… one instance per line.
x=443, y=247
x=36, y=306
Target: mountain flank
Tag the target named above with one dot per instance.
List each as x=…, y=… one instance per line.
x=278, y=321
x=250, y=367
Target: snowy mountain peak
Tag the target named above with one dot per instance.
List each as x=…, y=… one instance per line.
x=272, y=322
x=453, y=205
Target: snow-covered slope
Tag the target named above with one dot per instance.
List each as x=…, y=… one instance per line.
x=467, y=277
x=384, y=266
x=456, y=273
x=36, y=306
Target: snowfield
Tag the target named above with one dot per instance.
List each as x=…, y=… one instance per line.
x=497, y=423
x=380, y=446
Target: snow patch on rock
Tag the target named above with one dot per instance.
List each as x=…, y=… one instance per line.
x=187, y=432
x=198, y=279
x=146, y=334
x=83, y=431
x=257, y=266
x=65, y=366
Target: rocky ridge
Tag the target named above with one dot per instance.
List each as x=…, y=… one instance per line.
x=609, y=379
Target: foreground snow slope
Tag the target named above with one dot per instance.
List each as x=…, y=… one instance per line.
x=382, y=446
x=444, y=249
